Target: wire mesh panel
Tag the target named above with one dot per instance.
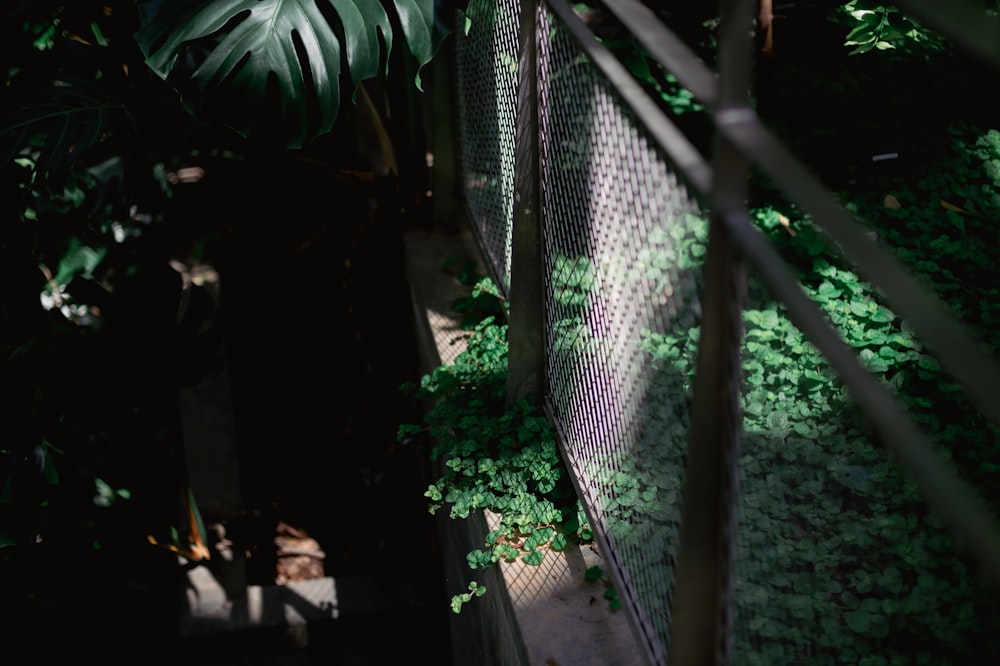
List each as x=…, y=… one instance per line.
x=486, y=81
x=839, y=560
x=623, y=245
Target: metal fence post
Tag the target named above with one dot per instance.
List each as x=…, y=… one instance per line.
x=701, y=631
x=526, y=354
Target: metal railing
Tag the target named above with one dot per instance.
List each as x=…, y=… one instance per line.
x=628, y=258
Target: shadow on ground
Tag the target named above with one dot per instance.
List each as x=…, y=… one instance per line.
x=318, y=337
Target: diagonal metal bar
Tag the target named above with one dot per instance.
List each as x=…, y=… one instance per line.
x=965, y=23
x=690, y=164
x=960, y=353
x=936, y=477
x=666, y=48
x=702, y=610
x=930, y=316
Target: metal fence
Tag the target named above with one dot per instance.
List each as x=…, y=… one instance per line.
x=721, y=490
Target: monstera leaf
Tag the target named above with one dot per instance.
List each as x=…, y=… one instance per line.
x=54, y=126
x=250, y=62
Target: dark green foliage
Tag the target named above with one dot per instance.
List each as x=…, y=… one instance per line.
x=495, y=459
x=279, y=66
x=91, y=349
x=98, y=329
x=832, y=534
x=595, y=574
x=484, y=299
x=88, y=303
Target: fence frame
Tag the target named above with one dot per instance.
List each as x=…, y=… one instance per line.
x=701, y=626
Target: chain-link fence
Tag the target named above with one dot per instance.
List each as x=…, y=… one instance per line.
x=625, y=235
x=486, y=80
x=624, y=240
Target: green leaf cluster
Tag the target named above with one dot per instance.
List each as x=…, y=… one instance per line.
x=880, y=27
x=254, y=64
x=831, y=533
x=484, y=299
x=494, y=458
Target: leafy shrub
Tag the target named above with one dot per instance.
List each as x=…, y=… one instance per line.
x=494, y=458
x=881, y=27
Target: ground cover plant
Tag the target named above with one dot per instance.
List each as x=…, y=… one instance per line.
x=833, y=535
x=493, y=456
